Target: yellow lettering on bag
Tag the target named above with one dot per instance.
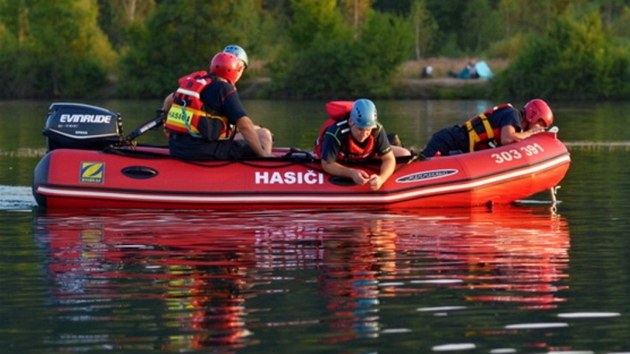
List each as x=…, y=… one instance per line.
x=178, y=118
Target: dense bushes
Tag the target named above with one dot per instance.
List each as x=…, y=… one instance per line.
x=574, y=59
x=349, y=64
x=53, y=50
x=315, y=48
x=167, y=47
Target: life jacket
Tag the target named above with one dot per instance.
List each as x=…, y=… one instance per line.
x=350, y=149
x=337, y=111
x=481, y=134
x=187, y=110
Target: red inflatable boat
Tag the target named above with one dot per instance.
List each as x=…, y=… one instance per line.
x=82, y=170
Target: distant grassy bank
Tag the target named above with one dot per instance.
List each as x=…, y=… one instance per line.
x=409, y=83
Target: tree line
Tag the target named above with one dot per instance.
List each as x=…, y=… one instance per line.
x=310, y=48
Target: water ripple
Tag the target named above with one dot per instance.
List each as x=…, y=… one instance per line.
x=589, y=315
x=16, y=198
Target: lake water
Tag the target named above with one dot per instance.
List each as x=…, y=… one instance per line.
x=514, y=279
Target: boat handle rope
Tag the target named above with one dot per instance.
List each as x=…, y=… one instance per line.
x=554, y=201
x=311, y=163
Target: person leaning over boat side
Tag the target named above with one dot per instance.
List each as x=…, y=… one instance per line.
x=205, y=115
x=358, y=138
x=499, y=125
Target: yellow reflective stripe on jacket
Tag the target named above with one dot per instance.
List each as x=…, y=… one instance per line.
x=473, y=137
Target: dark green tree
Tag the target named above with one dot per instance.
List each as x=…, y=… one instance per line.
x=181, y=37
x=355, y=12
x=573, y=59
x=116, y=17
x=53, y=49
x=479, y=31
x=424, y=28
x=326, y=58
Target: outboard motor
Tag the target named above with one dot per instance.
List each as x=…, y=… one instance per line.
x=82, y=126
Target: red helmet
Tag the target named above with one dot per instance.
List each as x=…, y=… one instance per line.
x=536, y=110
x=227, y=66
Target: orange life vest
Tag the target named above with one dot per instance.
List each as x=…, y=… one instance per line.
x=337, y=111
x=188, y=109
x=481, y=134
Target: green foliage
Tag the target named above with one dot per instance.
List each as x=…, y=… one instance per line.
x=313, y=48
x=573, y=59
x=313, y=18
x=424, y=28
x=181, y=37
x=54, y=49
x=385, y=43
x=117, y=17
x=621, y=26
x=479, y=31
x=507, y=48
x=319, y=65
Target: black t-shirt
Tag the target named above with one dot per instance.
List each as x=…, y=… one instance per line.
x=221, y=98
x=504, y=117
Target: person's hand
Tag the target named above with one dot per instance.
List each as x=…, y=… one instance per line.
x=536, y=131
x=360, y=177
x=375, y=182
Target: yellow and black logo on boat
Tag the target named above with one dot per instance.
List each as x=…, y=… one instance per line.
x=92, y=172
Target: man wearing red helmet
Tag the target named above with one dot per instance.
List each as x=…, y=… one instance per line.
x=205, y=114
x=499, y=125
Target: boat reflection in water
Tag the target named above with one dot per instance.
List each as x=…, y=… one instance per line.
x=212, y=279
x=510, y=255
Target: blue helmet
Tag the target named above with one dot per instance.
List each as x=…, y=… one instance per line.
x=363, y=113
x=238, y=51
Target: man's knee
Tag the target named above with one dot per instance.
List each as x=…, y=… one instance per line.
x=266, y=138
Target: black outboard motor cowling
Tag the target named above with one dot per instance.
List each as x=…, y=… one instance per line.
x=82, y=126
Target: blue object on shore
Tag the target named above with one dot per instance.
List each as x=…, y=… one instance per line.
x=483, y=70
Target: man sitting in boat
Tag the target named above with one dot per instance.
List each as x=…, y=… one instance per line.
x=357, y=138
x=206, y=120
x=499, y=125
x=263, y=133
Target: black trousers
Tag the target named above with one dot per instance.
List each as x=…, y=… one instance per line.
x=448, y=141
x=189, y=148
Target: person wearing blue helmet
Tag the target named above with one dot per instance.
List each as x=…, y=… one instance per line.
x=263, y=133
x=359, y=138
x=205, y=119
x=239, y=52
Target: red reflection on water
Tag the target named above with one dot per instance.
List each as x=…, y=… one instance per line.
x=202, y=268
x=507, y=255
x=198, y=268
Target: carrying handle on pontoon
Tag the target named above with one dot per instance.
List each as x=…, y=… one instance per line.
x=297, y=154
x=148, y=125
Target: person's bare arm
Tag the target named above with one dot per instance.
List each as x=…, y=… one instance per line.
x=168, y=102
x=509, y=134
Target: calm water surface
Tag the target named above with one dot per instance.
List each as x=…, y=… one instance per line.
x=515, y=279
